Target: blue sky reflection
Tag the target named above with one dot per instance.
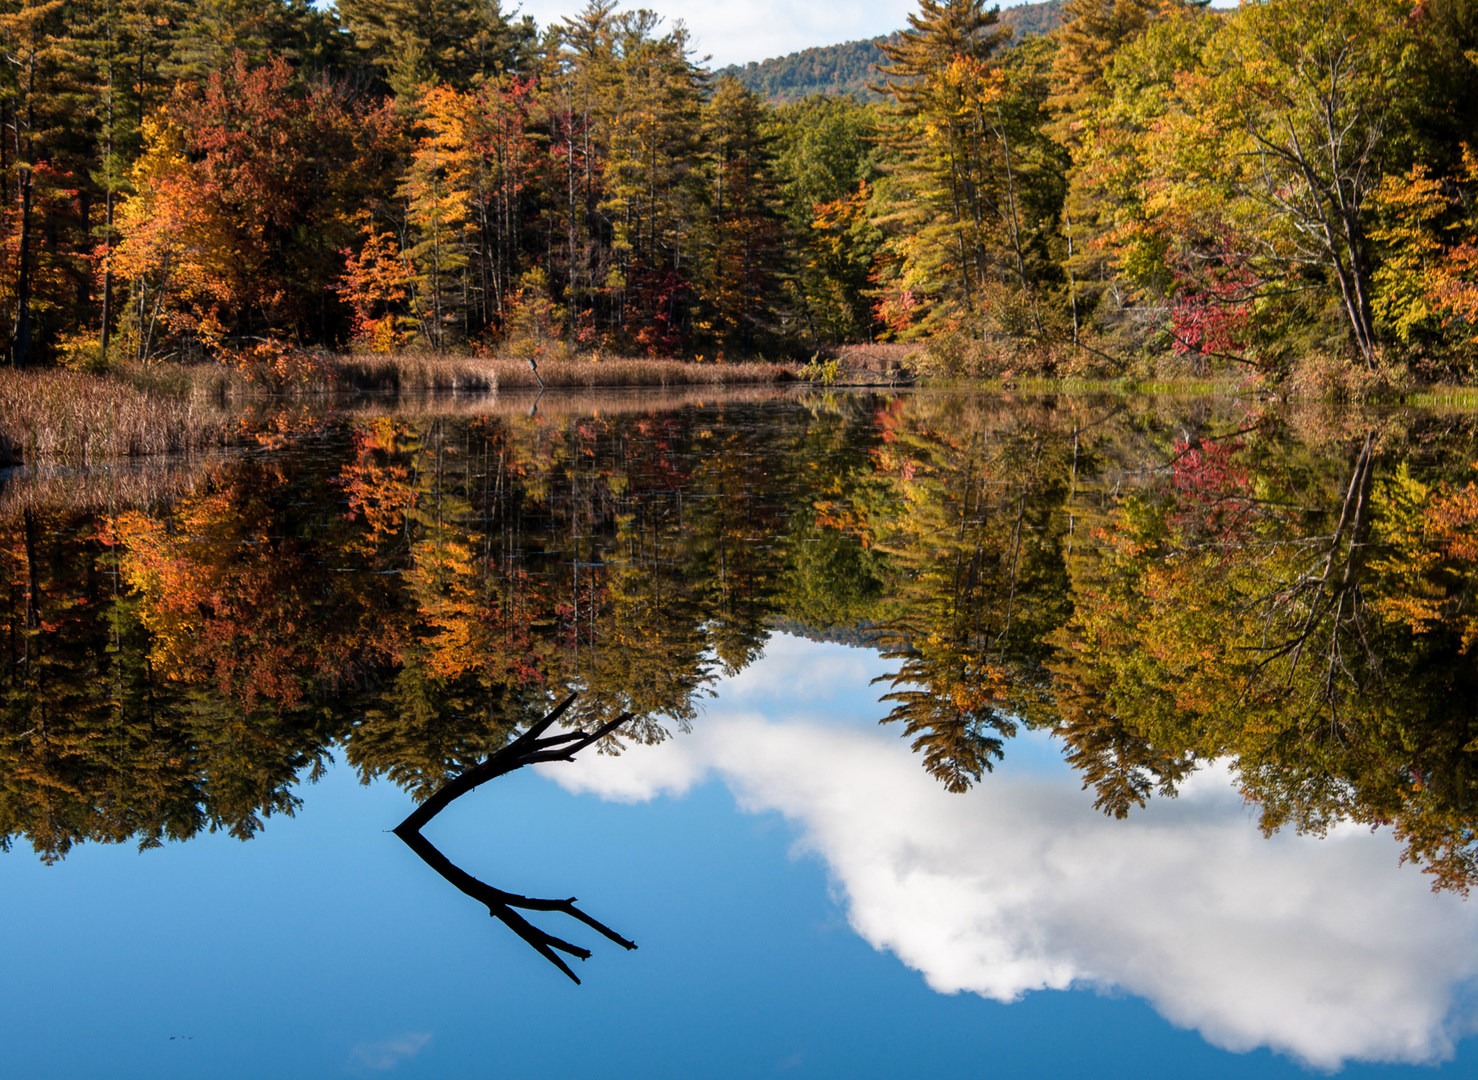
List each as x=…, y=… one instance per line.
x=1324, y=949
x=770, y=938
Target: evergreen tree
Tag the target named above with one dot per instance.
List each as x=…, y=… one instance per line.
x=976, y=188
x=743, y=261
x=451, y=41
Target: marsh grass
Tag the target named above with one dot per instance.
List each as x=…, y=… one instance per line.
x=75, y=418
x=410, y=372
x=414, y=371
x=80, y=418
x=426, y=372
x=1459, y=398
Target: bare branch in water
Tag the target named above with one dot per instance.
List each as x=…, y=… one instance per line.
x=530, y=748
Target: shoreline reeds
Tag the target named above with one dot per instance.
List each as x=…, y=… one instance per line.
x=75, y=418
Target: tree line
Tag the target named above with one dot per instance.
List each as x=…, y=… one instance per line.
x=1153, y=179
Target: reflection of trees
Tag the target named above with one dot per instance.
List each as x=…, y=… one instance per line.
x=1309, y=625
x=1322, y=608
x=411, y=591
x=968, y=515
x=833, y=580
x=415, y=592
x=93, y=744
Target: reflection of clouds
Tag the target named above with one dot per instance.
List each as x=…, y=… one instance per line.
x=1327, y=950
x=797, y=671
x=387, y=1054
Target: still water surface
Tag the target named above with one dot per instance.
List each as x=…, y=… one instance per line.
x=1174, y=777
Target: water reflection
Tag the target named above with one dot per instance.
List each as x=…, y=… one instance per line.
x=1327, y=950
x=1157, y=585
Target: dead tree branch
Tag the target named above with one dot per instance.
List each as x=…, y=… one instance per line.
x=530, y=748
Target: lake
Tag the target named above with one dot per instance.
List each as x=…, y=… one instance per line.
x=958, y=735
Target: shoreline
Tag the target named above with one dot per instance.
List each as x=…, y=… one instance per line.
x=54, y=416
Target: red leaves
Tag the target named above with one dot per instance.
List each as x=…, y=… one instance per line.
x=1211, y=487
x=897, y=309
x=1211, y=320
x=243, y=206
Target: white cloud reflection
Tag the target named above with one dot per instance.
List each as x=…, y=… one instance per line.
x=387, y=1054
x=1325, y=950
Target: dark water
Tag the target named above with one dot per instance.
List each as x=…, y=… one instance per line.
x=1178, y=720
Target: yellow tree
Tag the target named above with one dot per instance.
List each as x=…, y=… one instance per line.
x=436, y=190
x=1092, y=36
x=1298, y=110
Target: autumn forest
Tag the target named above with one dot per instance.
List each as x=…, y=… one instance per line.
x=1284, y=189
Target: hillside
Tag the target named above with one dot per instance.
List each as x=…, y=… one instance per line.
x=848, y=68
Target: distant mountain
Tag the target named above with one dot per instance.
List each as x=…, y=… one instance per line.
x=848, y=68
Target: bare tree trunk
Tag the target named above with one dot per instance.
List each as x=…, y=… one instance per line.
x=21, y=336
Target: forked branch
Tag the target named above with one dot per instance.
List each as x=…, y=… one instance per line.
x=530, y=748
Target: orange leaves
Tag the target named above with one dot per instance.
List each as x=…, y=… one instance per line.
x=243, y=196
x=223, y=601
x=1454, y=289
x=444, y=583
x=1417, y=279
x=377, y=484
x=1454, y=517
x=438, y=185
x=838, y=221
x=375, y=285
x=1454, y=523
x=176, y=588
x=276, y=364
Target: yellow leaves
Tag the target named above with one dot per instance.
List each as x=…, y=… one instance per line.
x=1413, y=199
x=1429, y=556
x=1408, y=278
x=978, y=83
x=963, y=96
x=1407, y=559
x=1428, y=278
x=443, y=580
x=163, y=155
x=183, y=260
